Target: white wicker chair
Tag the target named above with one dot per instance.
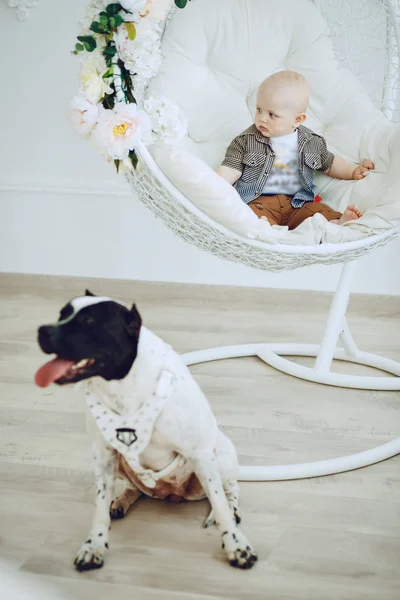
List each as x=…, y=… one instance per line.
x=375, y=21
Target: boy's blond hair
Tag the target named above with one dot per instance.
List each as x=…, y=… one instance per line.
x=288, y=88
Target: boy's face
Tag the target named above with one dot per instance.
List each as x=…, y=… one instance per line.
x=274, y=117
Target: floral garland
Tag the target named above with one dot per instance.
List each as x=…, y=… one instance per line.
x=120, y=43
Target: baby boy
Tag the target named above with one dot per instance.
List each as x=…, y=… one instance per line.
x=271, y=164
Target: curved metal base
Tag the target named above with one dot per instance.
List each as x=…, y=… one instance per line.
x=321, y=467
x=270, y=354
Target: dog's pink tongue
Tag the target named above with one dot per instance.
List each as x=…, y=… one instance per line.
x=51, y=371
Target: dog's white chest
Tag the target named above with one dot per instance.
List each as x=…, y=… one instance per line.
x=130, y=429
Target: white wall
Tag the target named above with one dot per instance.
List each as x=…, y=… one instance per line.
x=63, y=210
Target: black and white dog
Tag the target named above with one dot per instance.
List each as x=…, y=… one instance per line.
x=153, y=425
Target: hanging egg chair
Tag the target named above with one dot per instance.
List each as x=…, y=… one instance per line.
x=214, y=54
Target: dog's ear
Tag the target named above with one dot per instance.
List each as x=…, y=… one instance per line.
x=133, y=321
x=89, y=293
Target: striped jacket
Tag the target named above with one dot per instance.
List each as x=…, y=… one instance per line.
x=251, y=154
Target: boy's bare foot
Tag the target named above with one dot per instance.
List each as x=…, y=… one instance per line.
x=350, y=214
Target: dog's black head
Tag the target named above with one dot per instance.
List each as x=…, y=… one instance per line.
x=94, y=336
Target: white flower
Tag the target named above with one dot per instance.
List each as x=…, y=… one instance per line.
x=92, y=12
x=125, y=46
x=168, y=122
x=83, y=114
x=141, y=56
x=134, y=6
x=92, y=83
x=156, y=9
x=119, y=130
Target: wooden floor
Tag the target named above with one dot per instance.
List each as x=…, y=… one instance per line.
x=332, y=538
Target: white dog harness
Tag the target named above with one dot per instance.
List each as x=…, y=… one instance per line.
x=118, y=429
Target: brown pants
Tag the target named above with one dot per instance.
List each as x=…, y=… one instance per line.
x=279, y=211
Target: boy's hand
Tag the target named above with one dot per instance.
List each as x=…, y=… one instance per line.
x=362, y=170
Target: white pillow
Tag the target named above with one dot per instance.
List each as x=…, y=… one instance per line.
x=220, y=201
x=212, y=194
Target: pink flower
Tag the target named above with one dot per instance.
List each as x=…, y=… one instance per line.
x=83, y=114
x=119, y=130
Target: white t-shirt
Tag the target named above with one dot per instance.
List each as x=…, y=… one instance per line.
x=284, y=177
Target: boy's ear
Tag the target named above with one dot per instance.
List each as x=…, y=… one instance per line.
x=300, y=119
x=88, y=293
x=133, y=321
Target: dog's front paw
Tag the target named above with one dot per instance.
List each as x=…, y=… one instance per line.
x=117, y=510
x=238, y=549
x=120, y=505
x=90, y=556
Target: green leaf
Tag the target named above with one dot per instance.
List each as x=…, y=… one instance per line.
x=113, y=9
x=131, y=29
x=104, y=20
x=118, y=20
x=109, y=101
x=116, y=163
x=130, y=96
x=134, y=158
x=79, y=47
x=112, y=22
x=88, y=41
x=98, y=27
x=110, y=50
x=181, y=3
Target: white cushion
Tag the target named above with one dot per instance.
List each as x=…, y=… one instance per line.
x=212, y=194
x=220, y=201
x=216, y=53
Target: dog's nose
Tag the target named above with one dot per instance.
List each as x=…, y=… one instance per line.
x=46, y=338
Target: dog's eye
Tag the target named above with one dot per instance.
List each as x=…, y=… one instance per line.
x=88, y=320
